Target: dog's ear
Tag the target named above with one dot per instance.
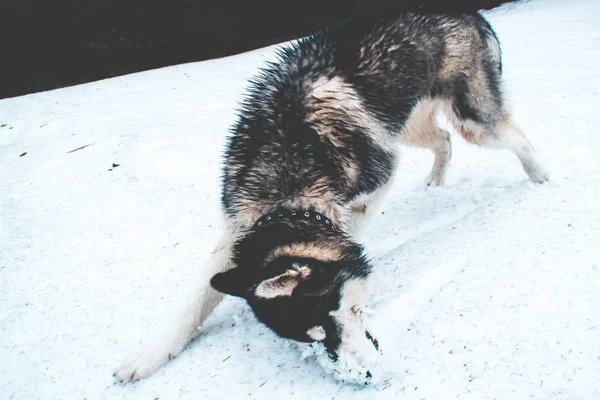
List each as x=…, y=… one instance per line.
x=232, y=282
x=284, y=284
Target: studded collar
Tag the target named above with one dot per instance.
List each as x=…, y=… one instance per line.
x=293, y=215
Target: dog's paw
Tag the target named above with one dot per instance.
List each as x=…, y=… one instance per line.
x=437, y=175
x=538, y=175
x=533, y=167
x=142, y=364
x=434, y=179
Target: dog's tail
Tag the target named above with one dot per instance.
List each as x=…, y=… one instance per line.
x=491, y=41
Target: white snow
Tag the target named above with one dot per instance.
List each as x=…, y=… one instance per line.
x=488, y=288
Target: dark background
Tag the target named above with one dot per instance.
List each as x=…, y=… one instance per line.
x=46, y=44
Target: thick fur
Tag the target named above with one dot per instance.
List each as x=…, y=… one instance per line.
x=319, y=131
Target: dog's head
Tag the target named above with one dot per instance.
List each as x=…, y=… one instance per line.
x=306, y=289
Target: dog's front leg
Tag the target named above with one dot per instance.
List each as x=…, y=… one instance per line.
x=183, y=329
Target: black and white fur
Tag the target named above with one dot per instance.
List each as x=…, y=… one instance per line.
x=318, y=133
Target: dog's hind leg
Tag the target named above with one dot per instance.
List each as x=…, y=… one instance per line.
x=421, y=130
x=499, y=132
x=476, y=107
x=184, y=328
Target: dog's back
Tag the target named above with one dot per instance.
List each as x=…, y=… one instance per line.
x=322, y=121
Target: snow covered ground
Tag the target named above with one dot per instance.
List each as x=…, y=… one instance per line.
x=488, y=288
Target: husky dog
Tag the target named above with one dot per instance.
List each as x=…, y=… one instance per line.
x=312, y=153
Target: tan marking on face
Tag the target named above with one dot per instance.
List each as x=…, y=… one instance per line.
x=327, y=252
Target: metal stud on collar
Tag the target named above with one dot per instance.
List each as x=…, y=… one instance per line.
x=282, y=215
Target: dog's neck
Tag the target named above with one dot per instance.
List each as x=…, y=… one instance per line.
x=292, y=216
